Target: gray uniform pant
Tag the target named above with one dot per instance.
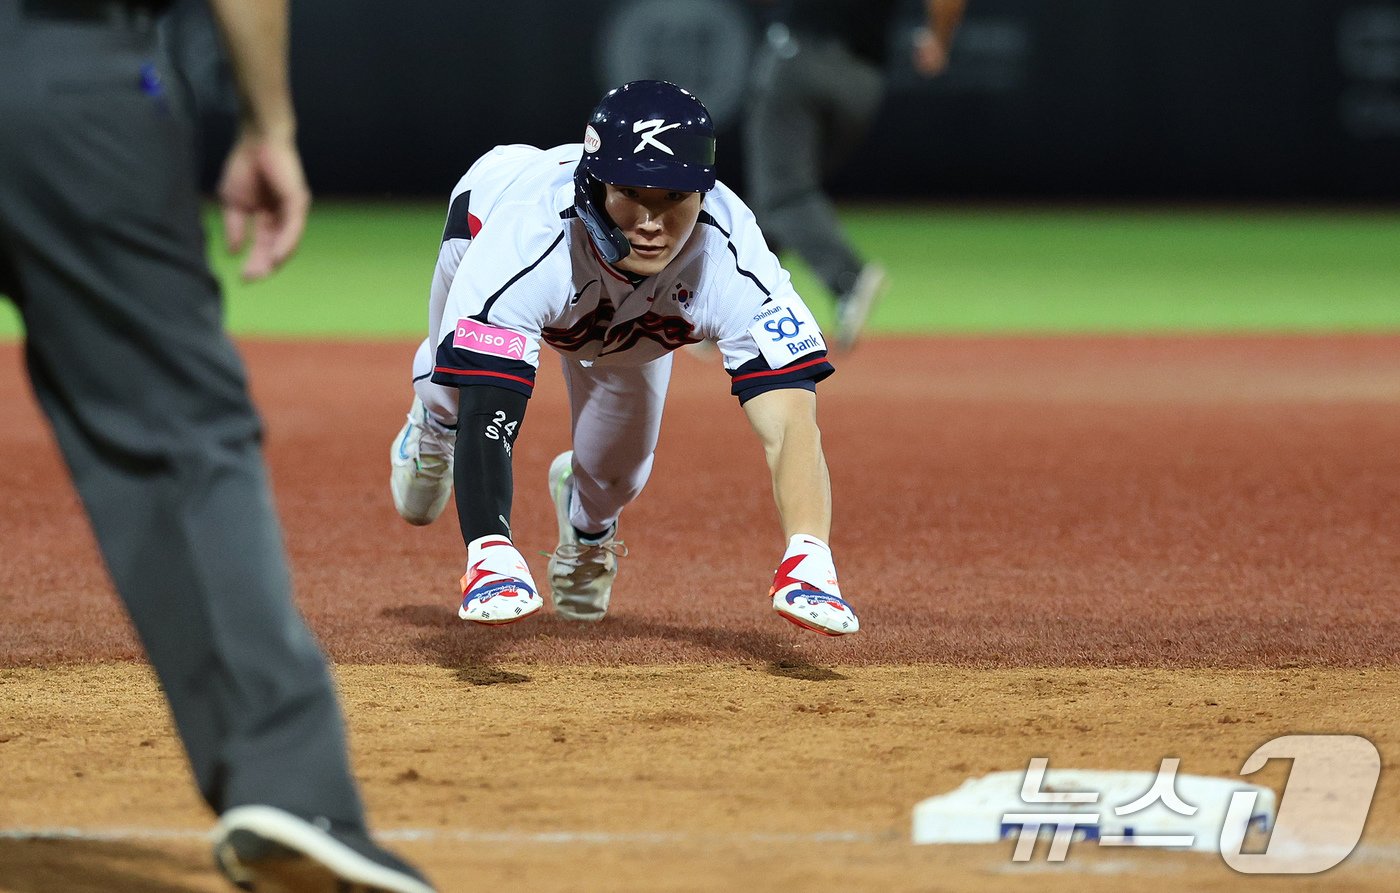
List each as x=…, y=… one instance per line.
x=812, y=105
x=101, y=249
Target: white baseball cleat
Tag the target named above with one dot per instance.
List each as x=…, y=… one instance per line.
x=581, y=574
x=421, y=466
x=805, y=590
x=263, y=848
x=853, y=308
x=497, y=587
x=820, y=612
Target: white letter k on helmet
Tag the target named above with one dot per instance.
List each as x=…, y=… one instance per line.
x=658, y=127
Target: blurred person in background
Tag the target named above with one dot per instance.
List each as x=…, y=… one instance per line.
x=102, y=250
x=818, y=84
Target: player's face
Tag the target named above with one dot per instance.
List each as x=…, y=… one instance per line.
x=657, y=222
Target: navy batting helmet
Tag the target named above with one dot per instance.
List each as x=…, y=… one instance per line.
x=647, y=134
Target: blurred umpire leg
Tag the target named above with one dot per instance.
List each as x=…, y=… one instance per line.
x=813, y=104
x=99, y=227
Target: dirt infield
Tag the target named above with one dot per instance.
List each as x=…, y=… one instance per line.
x=1102, y=551
x=684, y=777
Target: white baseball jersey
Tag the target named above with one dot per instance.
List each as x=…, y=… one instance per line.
x=517, y=267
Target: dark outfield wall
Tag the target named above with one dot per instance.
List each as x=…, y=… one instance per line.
x=1045, y=98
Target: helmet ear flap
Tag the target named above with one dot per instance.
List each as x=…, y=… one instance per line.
x=589, y=196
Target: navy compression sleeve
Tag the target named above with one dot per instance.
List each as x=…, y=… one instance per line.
x=488, y=421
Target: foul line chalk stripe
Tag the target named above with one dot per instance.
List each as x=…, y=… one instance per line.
x=433, y=835
x=1369, y=853
x=1383, y=853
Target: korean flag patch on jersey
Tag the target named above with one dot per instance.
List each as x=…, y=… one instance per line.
x=785, y=332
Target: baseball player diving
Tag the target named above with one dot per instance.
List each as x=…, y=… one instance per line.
x=615, y=253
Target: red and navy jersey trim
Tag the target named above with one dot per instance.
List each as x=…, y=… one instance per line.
x=466, y=368
x=461, y=222
x=740, y=375
x=756, y=376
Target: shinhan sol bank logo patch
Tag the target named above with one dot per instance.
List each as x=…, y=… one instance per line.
x=481, y=338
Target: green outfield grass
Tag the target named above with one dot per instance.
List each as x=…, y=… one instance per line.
x=363, y=271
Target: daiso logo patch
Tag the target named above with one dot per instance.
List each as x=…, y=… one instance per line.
x=473, y=335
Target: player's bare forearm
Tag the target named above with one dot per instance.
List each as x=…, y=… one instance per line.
x=255, y=32
x=786, y=422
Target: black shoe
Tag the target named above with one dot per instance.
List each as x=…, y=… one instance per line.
x=270, y=850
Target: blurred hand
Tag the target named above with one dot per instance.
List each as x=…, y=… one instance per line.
x=930, y=55
x=263, y=185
